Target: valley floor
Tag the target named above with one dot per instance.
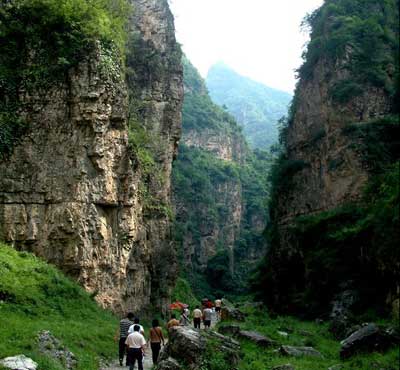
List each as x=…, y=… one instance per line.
x=293, y=332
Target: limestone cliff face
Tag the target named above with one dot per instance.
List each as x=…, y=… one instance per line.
x=72, y=190
x=220, y=142
x=332, y=171
x=325, y=169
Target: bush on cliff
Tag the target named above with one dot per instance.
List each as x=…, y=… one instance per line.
x=35, y=296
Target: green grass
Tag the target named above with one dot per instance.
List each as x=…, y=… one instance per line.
x=256, y=358
x=35, y=296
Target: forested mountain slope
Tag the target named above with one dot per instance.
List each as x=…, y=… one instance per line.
x=256, y=107
x=335, y=198
x=219, y=188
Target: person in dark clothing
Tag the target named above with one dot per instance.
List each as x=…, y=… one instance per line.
x=124, y=325
x=156, y=339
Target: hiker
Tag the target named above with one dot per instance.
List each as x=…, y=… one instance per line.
x=207, y=316
x=156, y=339
x=185, y=320
x=197, y=315
x=136, y=346
x=136, y=322
x=218, y=304
x=172, y=322
x=122, y=333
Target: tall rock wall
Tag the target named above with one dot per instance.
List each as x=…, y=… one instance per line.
x=72, y=191
x=342, y=136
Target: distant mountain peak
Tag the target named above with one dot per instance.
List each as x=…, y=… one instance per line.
x=256, y=107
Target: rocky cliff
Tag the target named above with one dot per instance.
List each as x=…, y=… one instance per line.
x=341, y=136
x=211, y=184
x=76, y=191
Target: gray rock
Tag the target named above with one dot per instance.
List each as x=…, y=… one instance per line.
x=230, y=312
x=282, y=333
x=336, y=367
x=20, y=362
x=52, y=347
x=367, y=339
x=168, y=364
x=190, y=347
x=341, y=312
x=229, y=329
x=257, y=338
x=284, y=367
x=299, y=351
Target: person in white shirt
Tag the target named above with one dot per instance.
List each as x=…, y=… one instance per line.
x=136, y=322
x=207, y=316
x=136, y=346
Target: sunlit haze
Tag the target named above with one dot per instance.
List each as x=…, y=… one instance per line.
x=260, y=39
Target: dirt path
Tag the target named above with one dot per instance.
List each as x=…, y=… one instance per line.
x=147, y=361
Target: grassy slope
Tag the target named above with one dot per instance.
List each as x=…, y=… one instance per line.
x=265, y=359
x=35, y=296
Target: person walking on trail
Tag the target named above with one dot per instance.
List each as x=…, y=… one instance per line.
x=173, y=322
x=185, y=320
x=136, y=346
x=122, y=333
x=207, y=317
x=197, y=315
x=156, y=340
x=136, y=322
x=218, y=304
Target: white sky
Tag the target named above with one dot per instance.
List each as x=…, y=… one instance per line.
x=260, y=39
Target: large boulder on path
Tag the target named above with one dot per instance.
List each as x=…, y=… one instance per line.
x=230, y=312
x=256, y=337
x=367, y=339
x=169, y=364
x=20, y=362
x=299, y=351
x=190, y=349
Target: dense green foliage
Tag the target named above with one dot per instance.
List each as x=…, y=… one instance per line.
x=40, y=40
x=256, y=107
x=35, y=296
x=364, y=36
x=302, y=333
x=199, y=180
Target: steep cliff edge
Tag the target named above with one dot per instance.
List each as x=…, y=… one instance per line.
x=336, y=184
x=218, y=195
x=76, y=189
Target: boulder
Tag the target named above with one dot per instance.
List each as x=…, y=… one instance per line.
x=20, y=362
x=284, y=367
x=230, y=312
x=52, y=347
x=367, y=339
x=341, y=315
x=191, y=348
x=256, y=337
x=229, y=330
x=169, y=364
x=299, y=351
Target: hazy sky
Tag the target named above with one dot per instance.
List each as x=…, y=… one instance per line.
x=260, y=39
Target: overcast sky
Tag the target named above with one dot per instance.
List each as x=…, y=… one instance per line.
x=260, y=39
